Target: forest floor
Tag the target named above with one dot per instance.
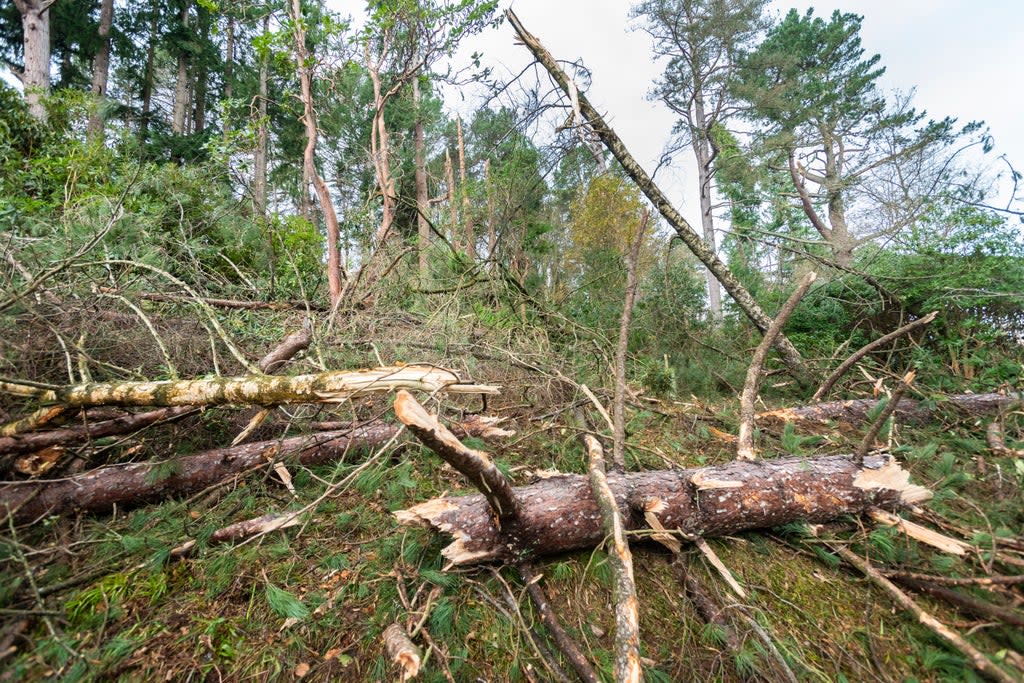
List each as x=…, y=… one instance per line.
x=97, y=598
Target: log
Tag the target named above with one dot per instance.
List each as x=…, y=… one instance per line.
x=123, y=424
x=558, y=514
x=263, y=390
x=136, y=483
x=908, y=411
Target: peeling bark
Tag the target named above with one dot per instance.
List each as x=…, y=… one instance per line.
x=263, y=390
x=559, y=514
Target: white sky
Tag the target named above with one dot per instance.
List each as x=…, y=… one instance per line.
x=961, y=57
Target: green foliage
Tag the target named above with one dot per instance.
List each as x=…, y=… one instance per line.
x=284, y=603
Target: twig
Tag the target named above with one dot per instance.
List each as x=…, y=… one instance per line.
x=979, y=661
x=597, y=404
x=865, y=350
x=627, y=617
x=961, y=581
x=745, y=443
x=887, y=411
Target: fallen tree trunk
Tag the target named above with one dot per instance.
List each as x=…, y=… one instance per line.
x=123, y=424
x=559, y=514
x=908, y=411
x=263, y=390
x=136, y=483
x=133, y=484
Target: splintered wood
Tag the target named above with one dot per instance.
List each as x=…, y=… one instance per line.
x=558, y=514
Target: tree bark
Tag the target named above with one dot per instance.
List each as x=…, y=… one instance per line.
x=453, y=208
x=302, y=58
x=101, y=70
x=558, y=514
x=422, y=195
x=147, y=77
x=259, y=180
x=845, y=414
x=229, y=69
x=468, y=231
x=702, y=150
x=380, y=151
x=35, y=22
x=686, y=233
x=181, y=98
x=136, y=483
x=263, y=390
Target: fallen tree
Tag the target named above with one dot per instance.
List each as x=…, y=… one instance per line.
x=263, y=390
x=132, y=484
x=558, y=514
x=908, y=410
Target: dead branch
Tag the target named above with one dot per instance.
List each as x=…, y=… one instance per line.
x=876, y=426
x=476, y=466
x=563, y=640
x=845, y=414
x=865, y=350
x=325, y=387
x=627, y=613
x=961, y=581
x=686, y=233
x=402, y=651
x=745, y=442
x=249, y=527
x=997, y=444
x=979, y=661
x=963, y=602
x=236, y=304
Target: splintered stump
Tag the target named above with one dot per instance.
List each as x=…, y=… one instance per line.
x=559, y=514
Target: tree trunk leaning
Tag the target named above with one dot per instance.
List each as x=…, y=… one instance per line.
x=686, y=233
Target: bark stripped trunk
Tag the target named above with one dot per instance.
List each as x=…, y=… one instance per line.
x=559, y=514
x=35, y=23
x=469, y=234
x=646, y=184
x=453, y=209
x=259, y=180
x=492, y=219
x=263, y=390
x=101, y=70
x=380, y=150
x=302, y=59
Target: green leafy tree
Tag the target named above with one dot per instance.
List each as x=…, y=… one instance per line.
x=821, y=115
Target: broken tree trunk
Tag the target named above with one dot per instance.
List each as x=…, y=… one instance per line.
x=908, y=411
x=34, y=441
x=325, y=387
x=559, y=514
x=131, y=484
x=646, y=184
x=136, y=483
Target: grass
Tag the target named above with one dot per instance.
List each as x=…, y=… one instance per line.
x=322, y=593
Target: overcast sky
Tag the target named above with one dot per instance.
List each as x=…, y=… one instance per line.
x=961, y=57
